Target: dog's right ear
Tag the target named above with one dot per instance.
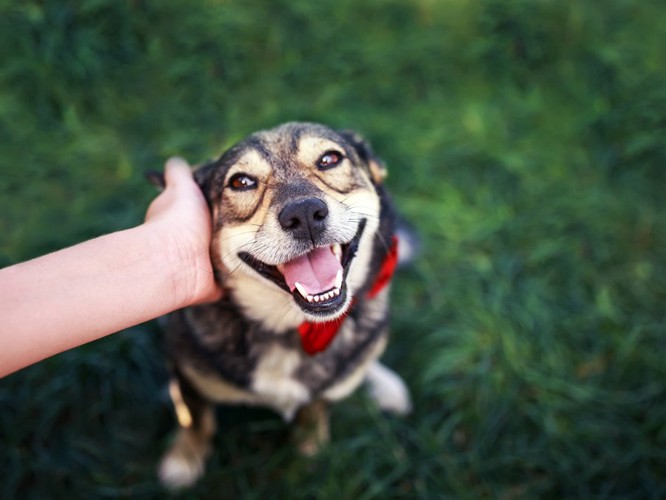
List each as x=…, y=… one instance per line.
x=156, y=179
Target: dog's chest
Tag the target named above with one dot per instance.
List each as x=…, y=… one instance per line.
x=245, y=363
x=275, y=381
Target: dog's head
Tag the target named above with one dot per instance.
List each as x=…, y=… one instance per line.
x=295, y=211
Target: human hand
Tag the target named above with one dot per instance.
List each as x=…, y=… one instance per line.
x=181, y=219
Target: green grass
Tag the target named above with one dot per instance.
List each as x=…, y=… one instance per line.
x=525, y=140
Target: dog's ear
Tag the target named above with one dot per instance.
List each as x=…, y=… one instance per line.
x=377, y=168
x=204, y=176
x=156, y=179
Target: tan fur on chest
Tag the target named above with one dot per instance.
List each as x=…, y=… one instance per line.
x=274, y=384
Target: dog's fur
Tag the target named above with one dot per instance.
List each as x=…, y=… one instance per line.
x=275, y=196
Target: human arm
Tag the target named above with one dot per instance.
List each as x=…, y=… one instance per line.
x=101, y=286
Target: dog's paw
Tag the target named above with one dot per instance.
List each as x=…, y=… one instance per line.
x=177, y=471
x=388, y=390
x=310, y=446
x=183, y=464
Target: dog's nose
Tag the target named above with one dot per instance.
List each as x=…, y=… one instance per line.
x=305, y=219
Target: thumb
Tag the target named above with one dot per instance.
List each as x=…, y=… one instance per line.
x=176, y=171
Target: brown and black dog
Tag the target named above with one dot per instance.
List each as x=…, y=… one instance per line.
x=304, y=246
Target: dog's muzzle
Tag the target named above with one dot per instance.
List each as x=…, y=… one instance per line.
x=316, y=279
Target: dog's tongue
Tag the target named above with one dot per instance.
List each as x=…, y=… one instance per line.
x=316, y=271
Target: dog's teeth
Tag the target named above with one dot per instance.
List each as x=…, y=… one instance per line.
x=338, y=279
x=320, y=297
x=337, y=251
x=301, y=290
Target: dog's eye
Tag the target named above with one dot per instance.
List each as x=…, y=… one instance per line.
x=329, y=160
x=242, y=182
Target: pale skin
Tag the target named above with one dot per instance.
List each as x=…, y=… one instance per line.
x=85, y=292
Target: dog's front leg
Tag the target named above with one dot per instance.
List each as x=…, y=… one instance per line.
x=312, y=428
x=183, y=464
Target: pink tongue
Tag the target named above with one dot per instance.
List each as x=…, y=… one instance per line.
x=316, y=271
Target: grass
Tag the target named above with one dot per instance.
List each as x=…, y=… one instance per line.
x=525, y=140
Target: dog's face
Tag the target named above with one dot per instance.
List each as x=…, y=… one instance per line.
x=295, y=211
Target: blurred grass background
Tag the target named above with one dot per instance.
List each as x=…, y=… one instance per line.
x=525, y=140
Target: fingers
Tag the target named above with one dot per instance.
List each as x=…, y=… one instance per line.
x=177, y=171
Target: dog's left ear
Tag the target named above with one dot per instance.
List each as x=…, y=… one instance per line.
x=377, y=168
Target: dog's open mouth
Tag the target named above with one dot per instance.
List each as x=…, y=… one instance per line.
x=317, y=279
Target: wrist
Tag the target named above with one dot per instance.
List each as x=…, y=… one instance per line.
x=171, y=263
x=187, y=272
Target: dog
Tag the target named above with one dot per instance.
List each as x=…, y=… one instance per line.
x=304, y=246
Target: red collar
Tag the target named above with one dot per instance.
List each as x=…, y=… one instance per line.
x=316, y=337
